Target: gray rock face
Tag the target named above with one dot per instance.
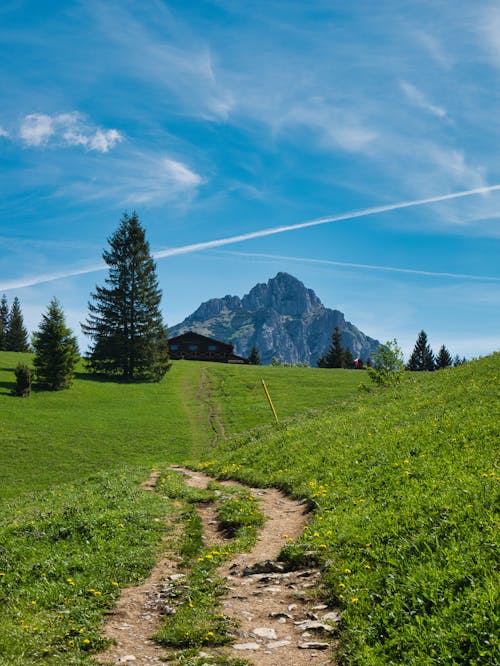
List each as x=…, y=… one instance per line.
x=282, y=318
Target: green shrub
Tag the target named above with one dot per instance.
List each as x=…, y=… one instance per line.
x=24, y=378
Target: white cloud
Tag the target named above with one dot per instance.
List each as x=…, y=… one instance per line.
x=419, y=99
x=3, y=132
x=67, y=129
x=104, y=140
x=338, y=128
x=180, y=173
x=36, y=129
x=167, y=53
x=454, y=163
x=138, y=177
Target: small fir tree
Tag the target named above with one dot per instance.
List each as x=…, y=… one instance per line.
x=16, y=339
x=254, y=358
x=24, y=378
x=334, y=356
x=4, y=322
x=443, y=359
x=422, y=357
x=124, y=322
x=56, y=350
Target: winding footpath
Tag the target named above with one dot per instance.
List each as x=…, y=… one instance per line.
x=279, y=621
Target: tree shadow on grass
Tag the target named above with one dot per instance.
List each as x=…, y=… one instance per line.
x=93, y=377
x=6, y=388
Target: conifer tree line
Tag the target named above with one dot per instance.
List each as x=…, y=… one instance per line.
x=423, y=358
x=13, y=334
x=338, y=356
x=128, y=337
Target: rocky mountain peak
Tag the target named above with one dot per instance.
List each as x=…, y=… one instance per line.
x=282, y=318
x=215, y=306
x=284, y=294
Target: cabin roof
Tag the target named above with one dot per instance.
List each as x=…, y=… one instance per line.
x=188, y=336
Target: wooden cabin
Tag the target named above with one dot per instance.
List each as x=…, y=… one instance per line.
x=196, y=347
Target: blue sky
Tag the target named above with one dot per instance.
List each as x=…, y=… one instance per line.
x=223, y=119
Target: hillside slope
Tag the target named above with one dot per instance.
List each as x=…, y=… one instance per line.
x=64, y=436
x=281, y=318
x=405, y=484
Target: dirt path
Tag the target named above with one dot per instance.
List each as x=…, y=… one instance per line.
x=279, y=622
x=138, y=611
x=203, y=394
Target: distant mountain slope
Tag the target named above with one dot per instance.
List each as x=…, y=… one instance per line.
x=281, y=318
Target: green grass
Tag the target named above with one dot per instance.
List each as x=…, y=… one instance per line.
x=64, y=556
x=405, y=485
x=54, y=437
x=238, y=391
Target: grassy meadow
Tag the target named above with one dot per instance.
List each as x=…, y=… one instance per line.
x=54, y=437
x=403, y=483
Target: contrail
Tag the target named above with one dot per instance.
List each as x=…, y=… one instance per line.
x=21, y=283
x=371, y=267
x=320, y=220
x=206, y=245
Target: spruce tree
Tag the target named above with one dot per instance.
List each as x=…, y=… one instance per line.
x=422, y=357
x=334, y=356
x=56, y=350
x=254, y=358
x=16, y=339
x=4, y=322
x=443, y=359
x=347, y=358
x=124, y=322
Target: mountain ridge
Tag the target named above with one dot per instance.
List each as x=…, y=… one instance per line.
x=282, y=318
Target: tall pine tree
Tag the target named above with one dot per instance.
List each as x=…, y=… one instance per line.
x=16, y=339
x=56, y=350
x=334, y=357
x=124, y=322
x=422, y=357
x=4, y=322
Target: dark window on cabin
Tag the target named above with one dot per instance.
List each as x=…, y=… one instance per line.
x=193, y=347
x=212, y=348
x=174, y=347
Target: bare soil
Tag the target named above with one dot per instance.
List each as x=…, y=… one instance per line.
x=280, y=620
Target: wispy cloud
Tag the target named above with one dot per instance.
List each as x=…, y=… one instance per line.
x=420, y=99
x=66, y=129
x=220, y=242
x=336, y=127
x=3, y=132
x=489, y=32
x=370, y=267
x=167, y=54
x=138, y=177
x=435, y=49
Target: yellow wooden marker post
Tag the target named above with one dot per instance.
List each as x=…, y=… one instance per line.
x=269, y=400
